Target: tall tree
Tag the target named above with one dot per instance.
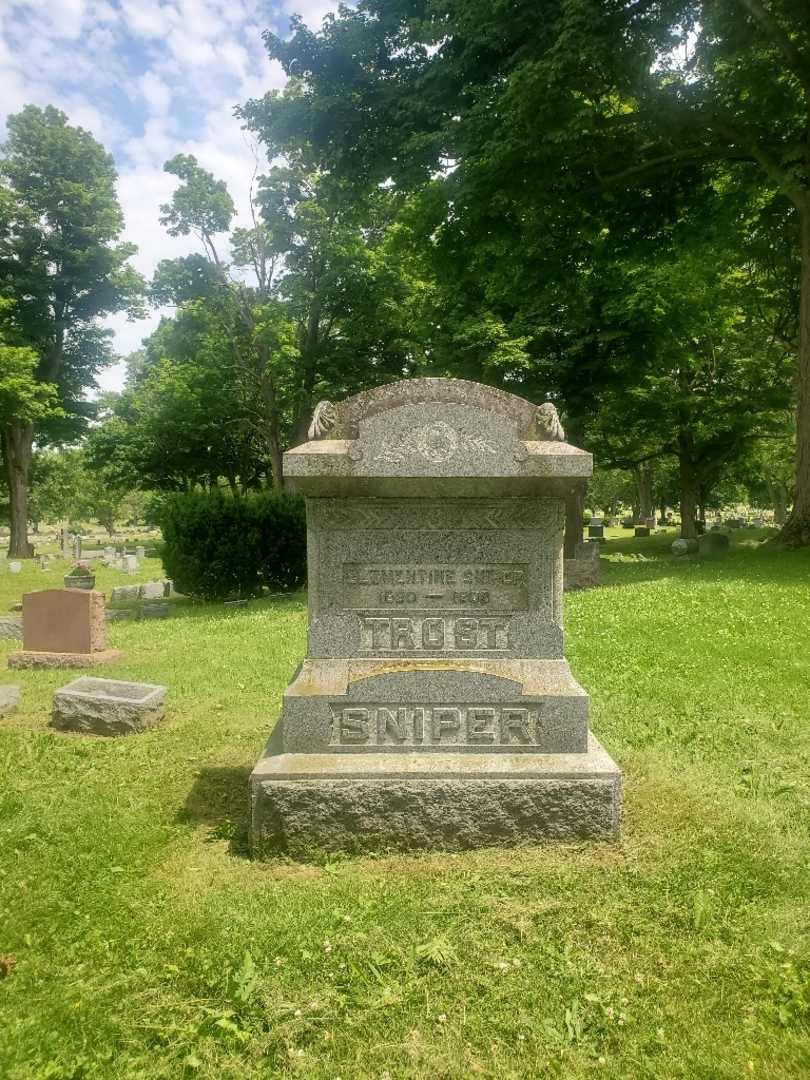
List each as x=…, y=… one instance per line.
x=62, y=264
x=549, y=122
x=309, y=297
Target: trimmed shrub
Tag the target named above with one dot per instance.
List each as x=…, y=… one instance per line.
x=216, y=546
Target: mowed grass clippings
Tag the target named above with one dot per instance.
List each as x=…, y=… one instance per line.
x=137, y=939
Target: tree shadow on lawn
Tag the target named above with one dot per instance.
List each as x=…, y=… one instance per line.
x=219, y=798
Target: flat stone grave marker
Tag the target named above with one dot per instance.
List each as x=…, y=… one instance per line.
x=107, y=706
x=63, y=628
x=10, y=627
x=154, y=611
x=435, y=707
x=9, y=699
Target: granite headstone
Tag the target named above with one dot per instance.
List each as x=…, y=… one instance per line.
x=63, y=628
x=435, y=708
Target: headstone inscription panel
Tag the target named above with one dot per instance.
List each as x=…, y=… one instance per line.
x=435, y=707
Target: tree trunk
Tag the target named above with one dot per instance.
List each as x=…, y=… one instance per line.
x=277, y=464
x=575, y=499
x=271, y=425
x=310, y=348
x=574, y=511
x=779, y=498
x=644, y=488
x=689, y=488
x=796, y=530
x=273, y=436
x=18, y=441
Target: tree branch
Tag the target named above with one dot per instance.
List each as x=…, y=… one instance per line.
x=795, y=61
x=763, y=157
x=694, y=153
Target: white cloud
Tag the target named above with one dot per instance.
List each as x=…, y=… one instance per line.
x=312, y=12
x=148, y=18
x=64, y=18
x=155, y=92
x=150, y=79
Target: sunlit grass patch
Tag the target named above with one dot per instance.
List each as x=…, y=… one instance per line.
x=147, y=943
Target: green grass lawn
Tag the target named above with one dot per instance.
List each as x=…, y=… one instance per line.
x=148, y=945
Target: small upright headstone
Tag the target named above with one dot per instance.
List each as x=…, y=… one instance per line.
x=713, y=542
x=140, y=552
x=63, y=628
x=583, y=570
x=435, y=707
x=642, y=530
x=14, y=567
x=130, y=564
x=596, y=532
x=152, y=590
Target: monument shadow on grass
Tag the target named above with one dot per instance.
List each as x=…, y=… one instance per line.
x=217, y=800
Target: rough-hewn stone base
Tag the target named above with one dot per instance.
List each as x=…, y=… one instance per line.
x=303, y=804
x=107, y=707
x=29, y=659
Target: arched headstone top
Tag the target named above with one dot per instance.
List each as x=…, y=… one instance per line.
x=420, y=436
x=342, y=420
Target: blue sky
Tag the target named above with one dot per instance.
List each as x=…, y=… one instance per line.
x=149, y=78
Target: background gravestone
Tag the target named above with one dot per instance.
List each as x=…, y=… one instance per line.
x=435, y=707
x=63, y=628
